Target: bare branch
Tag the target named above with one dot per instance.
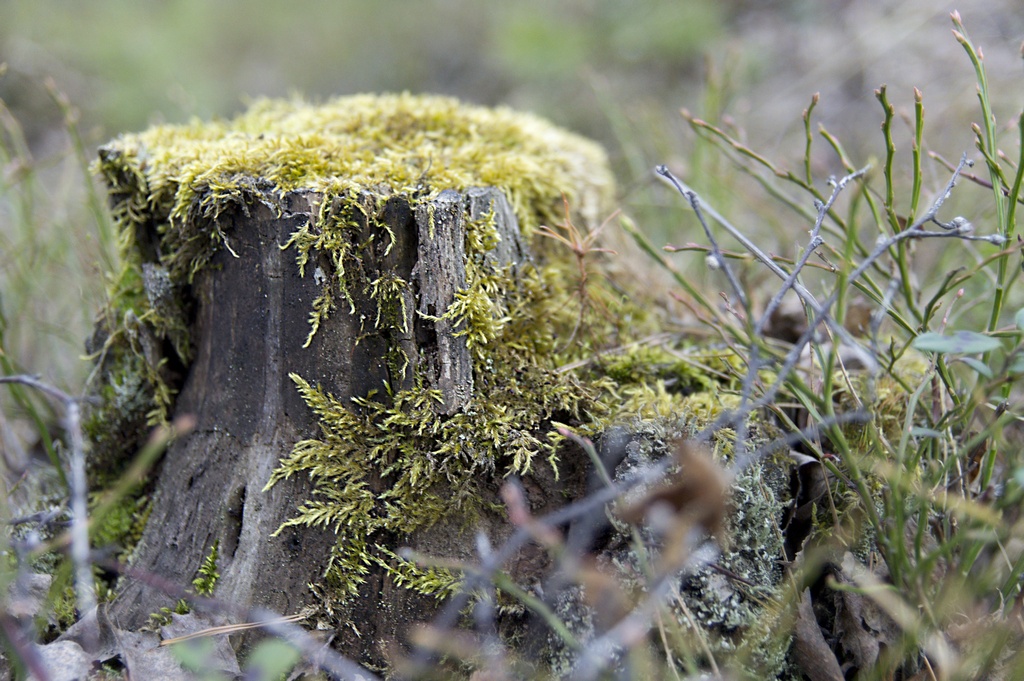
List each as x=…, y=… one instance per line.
x=84, y=589
x=314, y=651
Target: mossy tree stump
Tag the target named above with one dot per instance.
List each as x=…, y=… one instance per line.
x=345, y=298
x=250, y=332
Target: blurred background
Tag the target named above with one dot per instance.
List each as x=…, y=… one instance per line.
x=77, y=74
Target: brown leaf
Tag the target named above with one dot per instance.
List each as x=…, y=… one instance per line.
x=686, y=507
x=862, y=628
x=810, y=651
x=696, y=494
x=603, y=593
x=808, y=484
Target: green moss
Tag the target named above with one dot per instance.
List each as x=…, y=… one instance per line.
x=180, y=177
x=434, y=467
x=207, y=575
x=686, y=371
x=122, y=524
x=165, y=615
x=65, y=608
x=203, y=584
x=437, y=582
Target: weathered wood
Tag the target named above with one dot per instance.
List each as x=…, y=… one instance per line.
x=440, y=271
x=251, y=321
x=250, y=325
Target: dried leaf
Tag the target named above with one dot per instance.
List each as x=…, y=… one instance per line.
x=691, y=504
x=696, y=494
x=808, y=484
x=811, y=653
x=863, y=630
x=604, y=594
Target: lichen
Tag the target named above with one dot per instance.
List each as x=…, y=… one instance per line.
x=730, y=600
x=735, y=607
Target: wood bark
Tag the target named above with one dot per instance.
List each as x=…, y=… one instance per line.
x=251, y=321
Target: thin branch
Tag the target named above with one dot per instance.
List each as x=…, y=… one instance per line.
x=808, y=298
x=312, y=650
x=634, y=627
x=754, y=364
x=765, y=259
x=716, y=258
x=84, y=591
x=816, y=240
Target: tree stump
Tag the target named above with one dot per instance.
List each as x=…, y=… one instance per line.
x=350, y=301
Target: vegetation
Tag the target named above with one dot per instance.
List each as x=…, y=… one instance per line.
x=883, y=358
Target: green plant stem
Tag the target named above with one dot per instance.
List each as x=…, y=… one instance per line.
x=890, y=155
x=506, y=584
x=915, y=191
x=808, y=138
x=902, y=261
x=987, y=144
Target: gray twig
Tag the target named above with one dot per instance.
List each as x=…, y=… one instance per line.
x=958, y=227
x=765, y=259
x=790, y=281
x=816, y=240
x=787, y=284
x=84, y=591
x=314, y=651
x=718, y=260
